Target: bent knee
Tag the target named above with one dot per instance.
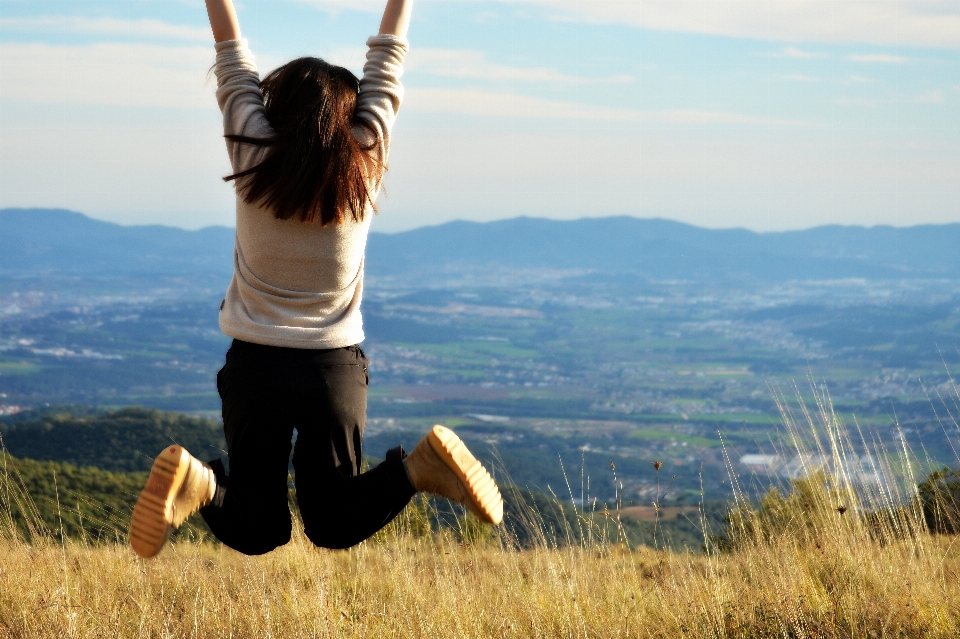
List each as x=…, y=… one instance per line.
x=257, y=542
x=330, y=539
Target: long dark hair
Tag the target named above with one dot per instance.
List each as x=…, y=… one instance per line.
x=315, y=169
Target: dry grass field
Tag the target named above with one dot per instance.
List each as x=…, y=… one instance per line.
x=826, y=557
x=837, y=583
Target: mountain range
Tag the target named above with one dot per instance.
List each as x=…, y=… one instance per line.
x=56, y=241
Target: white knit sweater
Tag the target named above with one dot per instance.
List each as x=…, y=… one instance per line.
x=298, y=284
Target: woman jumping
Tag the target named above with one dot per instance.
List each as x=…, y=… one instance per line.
x=308, y=146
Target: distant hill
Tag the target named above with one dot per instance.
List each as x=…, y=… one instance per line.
x=666, y=250
x=125, y=440
x=56, y=241
x=38, y=241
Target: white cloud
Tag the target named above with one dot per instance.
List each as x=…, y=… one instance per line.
x=489, y=104
x=935, y=96
x=339, y=6
x=142, y=75
x=458, y=63
x=106, y=74
x=909, y=145
x=154, y=173
x=482, y=174
x=799, y=77
x=878, y=57
x=930, y=97
x=690, y=116
x=921, y=23
x=107, y=27
x=862, y=102
x=506, y=105
x=486, y=174
x=851, y=79
x=793, y=53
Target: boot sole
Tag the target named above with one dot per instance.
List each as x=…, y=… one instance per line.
x=482, y=490
x=150, y=524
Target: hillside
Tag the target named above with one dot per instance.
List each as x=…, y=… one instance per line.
x=121, y=441
x=45, y=241
x=664, y=250
x=51, y=499
x=55, y=241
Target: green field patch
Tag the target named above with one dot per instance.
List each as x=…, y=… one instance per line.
x=658, y=417
x=665, y=435
x=681, y=344
x=546, y=393
x=476, y=351
x=453, y=422
x=425, y=423
x=19, y=368
x=727, y=372
x=745, y=418
x=148, y=398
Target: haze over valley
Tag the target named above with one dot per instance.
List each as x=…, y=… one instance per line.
x=557, y=346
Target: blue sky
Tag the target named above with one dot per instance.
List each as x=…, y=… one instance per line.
x=769, y=115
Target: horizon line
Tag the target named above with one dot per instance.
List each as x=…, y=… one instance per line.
x=510, y=219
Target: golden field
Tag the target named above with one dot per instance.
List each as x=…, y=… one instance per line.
x=435, y=587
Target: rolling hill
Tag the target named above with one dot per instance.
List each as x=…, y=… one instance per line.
x=46, y=241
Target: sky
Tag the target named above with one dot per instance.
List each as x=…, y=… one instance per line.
x=763, y=114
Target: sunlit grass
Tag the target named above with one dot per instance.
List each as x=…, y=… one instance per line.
x=410, y=587
x=823, y=557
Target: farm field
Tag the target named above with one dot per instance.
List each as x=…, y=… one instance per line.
x=555, y=378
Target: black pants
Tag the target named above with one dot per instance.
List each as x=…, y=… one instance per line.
x=267, y=392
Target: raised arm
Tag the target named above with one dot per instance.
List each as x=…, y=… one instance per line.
x=223, y=20
x=396, y=18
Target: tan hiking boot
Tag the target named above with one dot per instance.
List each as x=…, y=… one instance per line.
x=442, y=465
x=178, y=486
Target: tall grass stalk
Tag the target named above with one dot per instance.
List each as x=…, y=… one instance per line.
x=841, y=486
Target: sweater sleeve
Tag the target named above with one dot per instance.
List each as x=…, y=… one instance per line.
x=241, y=102
x=380, y=91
